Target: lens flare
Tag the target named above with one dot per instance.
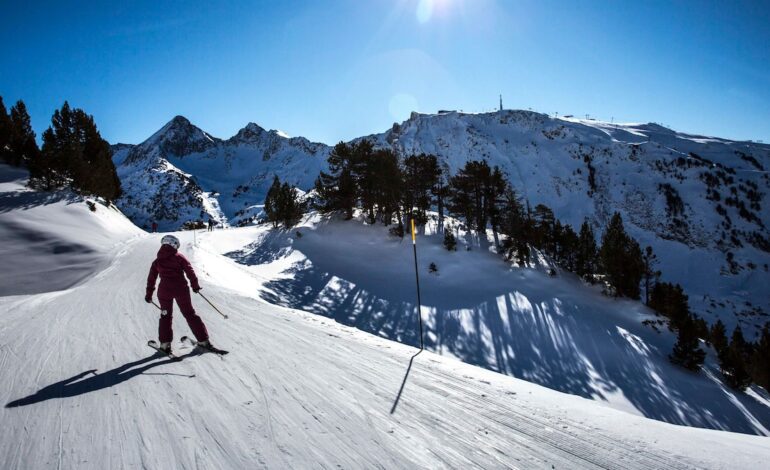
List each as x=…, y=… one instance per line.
x=401, y=105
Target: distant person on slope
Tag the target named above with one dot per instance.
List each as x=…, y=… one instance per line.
x=211, y=224
x=154, y=227
x=172, y=267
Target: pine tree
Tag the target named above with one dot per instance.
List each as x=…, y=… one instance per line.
x=282, y=206
x=651, y=275
x=586, y=256
x=634, y=269
x=514, y=224
x=760, y=363
x=421, y=175
x=440, y=191
x=567, y=243
x=5, y=134
x=97, y=174
x=480, y=174
x=58, y=157
x=450, y=242
x=271, y=209
x=22, y=145
x=390, y=185
x=347, y=193
x=44, y=170
x=670, y=301
x=471, y=194
x=612, y=252
x=718, y=337
x=460, y=198
x=621, y=259
x=337, y=189
x=734, y=361
x=75, y=154
x=687, y=352
x=543, y=229
x=494, y=200
x=363, y=170
x=289, y=208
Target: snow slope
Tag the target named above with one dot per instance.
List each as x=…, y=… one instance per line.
x=553, y=331
x=51, y=240
x=82, y=391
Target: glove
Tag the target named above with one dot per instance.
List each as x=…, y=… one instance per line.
x=197, y=289
x=148, y=299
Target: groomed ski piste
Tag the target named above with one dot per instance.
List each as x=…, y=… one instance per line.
x=308, y=388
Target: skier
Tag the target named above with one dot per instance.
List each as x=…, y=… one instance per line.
x=211, y=224
x=154, y=227
x=172, y=267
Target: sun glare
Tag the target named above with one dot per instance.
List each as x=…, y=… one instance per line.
x=424, y=10
x=427, y=9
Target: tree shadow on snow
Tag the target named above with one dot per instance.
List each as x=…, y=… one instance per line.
x=28, y=199
x=555, y=339
x=80, y=384
x=271, y=247
x=45, y=262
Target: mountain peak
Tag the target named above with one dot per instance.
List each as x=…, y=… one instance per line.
x=177, y=138
x=251, y=133
x=179, y=125
x=253, y=127
x=180, y=120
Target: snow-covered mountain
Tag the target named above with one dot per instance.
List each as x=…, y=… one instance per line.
x=698, y=201
x=182, y=173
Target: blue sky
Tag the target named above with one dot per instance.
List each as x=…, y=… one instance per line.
x=333, y=70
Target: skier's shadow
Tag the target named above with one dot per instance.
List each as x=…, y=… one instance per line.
x=74, y=386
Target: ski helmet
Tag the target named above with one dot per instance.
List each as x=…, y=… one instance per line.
x=170, y=240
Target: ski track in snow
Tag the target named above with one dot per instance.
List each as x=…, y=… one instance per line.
x=297, y=391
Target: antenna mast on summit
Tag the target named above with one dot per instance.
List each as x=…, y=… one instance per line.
x=501, y=102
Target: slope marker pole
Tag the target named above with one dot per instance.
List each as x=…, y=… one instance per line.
x=417, y=277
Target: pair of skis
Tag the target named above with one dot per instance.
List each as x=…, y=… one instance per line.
x=154, y=345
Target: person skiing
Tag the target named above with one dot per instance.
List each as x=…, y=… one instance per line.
x=172, y=267
x=211, y=224
x=154, y=227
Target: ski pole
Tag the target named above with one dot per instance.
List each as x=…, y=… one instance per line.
x=153, y=302
x=212, y=305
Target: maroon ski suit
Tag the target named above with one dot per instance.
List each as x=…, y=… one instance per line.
x=172, y=266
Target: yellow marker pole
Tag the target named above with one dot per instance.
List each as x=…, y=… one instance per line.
x=417, y=277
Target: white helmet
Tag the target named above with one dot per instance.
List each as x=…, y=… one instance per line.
x=170, y=240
